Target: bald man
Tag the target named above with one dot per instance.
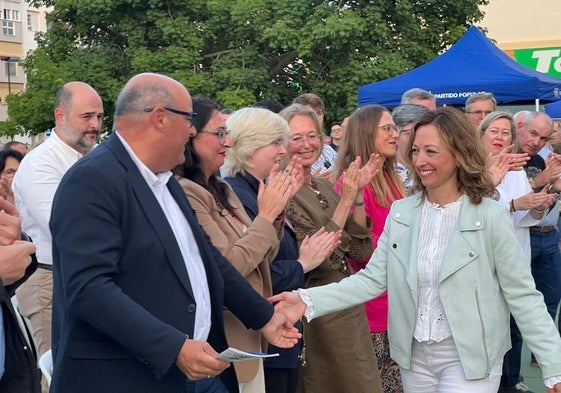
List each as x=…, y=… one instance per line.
x=139, y=289
x=78, y=113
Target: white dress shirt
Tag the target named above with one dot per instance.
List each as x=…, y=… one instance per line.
x=185, y=240
x=35, y=184
x=514, y=185
x=437, y=225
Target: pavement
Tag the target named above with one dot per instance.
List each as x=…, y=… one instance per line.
x=532, y=375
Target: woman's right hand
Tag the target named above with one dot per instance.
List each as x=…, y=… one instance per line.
x=316, y=248
x=272, y=199
x=350, y=186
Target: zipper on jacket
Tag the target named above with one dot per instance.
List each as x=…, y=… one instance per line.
x=488, y=367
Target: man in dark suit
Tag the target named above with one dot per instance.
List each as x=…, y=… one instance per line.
x=139, y=290
x=18, y=365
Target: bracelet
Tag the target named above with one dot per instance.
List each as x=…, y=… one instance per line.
x=358, y=204
x=512, y=208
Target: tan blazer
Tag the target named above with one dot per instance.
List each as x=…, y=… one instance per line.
x=250, y=247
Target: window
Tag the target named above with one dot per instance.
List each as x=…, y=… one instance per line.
x=11, y=68
x=29, y=22
x=11, y=14
x=8, y=28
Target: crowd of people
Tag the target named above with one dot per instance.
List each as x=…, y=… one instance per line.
x=409, y=251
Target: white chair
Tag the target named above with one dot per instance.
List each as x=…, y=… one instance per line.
x=46, y=365
x=24, y=324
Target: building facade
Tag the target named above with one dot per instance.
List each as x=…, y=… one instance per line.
x=528, y=31
x=20, y=22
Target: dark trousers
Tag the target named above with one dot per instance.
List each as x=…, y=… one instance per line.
x=210, y=385
x=281, y=380
x=546, y=267
x=511, y=363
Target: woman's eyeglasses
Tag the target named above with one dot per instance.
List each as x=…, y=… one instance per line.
x=221, y=133
x=389, y=128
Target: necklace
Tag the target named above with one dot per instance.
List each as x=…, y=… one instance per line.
x=322, y=200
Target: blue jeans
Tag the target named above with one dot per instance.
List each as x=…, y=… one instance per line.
x=546, y=267
x=210, y=385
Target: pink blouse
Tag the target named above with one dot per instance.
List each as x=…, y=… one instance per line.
x=376, y=309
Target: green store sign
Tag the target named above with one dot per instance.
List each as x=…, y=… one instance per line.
x=546, y=60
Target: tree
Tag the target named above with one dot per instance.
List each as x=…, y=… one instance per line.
x=236, y=51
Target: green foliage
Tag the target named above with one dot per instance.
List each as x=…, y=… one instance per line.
x=236, y=51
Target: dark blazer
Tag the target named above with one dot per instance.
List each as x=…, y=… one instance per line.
x=123, y=303
x=21, y=374
x=286, y=272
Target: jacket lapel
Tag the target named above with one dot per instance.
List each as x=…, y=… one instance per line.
x=459, y=251
x=153, y=212
x=404, y=244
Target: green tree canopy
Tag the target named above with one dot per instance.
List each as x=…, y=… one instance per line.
x=236, y=51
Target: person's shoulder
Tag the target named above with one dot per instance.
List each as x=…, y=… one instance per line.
x=407, y=202
x=193, y=189
x=406, y=208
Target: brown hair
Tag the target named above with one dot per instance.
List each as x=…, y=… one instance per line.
x=359, y=141
x=456, y=131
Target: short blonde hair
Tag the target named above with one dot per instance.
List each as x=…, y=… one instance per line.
x=252, y=129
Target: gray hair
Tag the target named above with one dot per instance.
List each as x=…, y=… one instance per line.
x=137, y=97
x=527, y=116
x=407, y=113
x=415, y=92
x=482, y=96
x=252, y=129
x=301, y=110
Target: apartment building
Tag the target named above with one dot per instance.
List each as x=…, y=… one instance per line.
x=20, y=22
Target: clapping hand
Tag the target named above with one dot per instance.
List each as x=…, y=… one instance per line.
x=316, y=248
x=368, y=171
x=9, y=223
x=272, y=199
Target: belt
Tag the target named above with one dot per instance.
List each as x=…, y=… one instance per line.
x=45, y=266
x=544, y=229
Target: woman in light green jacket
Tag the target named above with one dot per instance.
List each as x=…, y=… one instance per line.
x=453, y=269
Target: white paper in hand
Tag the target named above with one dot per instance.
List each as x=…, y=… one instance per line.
x=236, y=355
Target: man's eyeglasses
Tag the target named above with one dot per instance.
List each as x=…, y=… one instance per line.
x=389, y=128
x=189, y=115
x=479, y=113
x=221, y=133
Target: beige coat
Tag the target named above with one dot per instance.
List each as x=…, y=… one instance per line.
x=250, y=248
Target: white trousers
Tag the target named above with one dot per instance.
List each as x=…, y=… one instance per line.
x=436, y=368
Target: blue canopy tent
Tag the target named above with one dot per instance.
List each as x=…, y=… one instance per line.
x=473, y=64
x=554, y=110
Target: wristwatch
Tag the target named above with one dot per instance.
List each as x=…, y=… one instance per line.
x=532, y=182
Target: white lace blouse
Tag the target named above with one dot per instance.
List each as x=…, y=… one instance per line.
x=437, y=225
